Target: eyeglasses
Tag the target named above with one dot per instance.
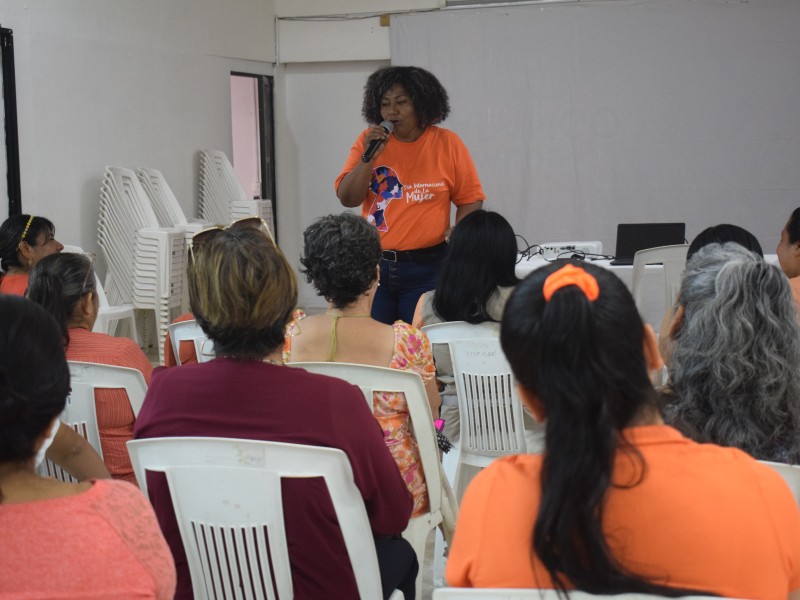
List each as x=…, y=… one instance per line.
x=89, y=271
x=256, y=223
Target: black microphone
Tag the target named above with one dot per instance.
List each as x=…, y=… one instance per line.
x=388, y=126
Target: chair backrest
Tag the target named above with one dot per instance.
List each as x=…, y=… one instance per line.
x=373, y=379
x=490, y=409
x=227, y=499
x=105, y=377
x=190, y=331
x=531, y=594
x=790, y=474
x=674, y=260
x=80, y=414
x=444, y=333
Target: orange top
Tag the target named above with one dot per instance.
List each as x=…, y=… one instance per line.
x=795, y=283
x=704, y=517
x=114, y=414
x=185, y=348
x=101, y=543
x=413, y=185
x=14, y=284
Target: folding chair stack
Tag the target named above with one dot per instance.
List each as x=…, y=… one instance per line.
x=222, y=198
x=146, y=262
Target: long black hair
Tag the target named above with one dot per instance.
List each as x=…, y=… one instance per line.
x=34, y=378
x=481, y=257
x=584, y=361
x=58, y=283
x=15, y=230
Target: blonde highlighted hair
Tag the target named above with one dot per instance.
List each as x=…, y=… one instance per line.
x=242, y=292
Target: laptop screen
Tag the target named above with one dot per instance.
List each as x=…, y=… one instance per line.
x=632, y=237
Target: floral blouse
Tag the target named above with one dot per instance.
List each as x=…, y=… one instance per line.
x=412, y=352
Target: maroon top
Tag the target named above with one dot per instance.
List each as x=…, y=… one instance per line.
x=260, y=401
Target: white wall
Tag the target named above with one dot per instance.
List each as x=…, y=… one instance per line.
x=321, y=108
x=142, y=83
x=583, y=115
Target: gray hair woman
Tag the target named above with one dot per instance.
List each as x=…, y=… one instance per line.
x=735, y=355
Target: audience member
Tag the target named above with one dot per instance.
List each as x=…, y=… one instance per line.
x=719, y=234
x=24, y=241
x=242, y=292
x=475, y=281
x=618, y=502
x=341, y=256
x=734, y=355
x=95, y=539
x=788, y=252
x=64, y=284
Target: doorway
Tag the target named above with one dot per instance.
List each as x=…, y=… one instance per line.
x=252, y=136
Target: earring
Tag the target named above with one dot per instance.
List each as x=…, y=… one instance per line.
x=30, y=262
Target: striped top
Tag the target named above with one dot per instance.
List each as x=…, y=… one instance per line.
x=114, y=414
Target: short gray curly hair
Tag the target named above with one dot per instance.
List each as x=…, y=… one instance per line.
x=735, y=358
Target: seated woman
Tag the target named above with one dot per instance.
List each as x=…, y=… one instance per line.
x=24, y=241
x=242, y=292
x=95, y=539
x=734, y=351
x=64, y=284
x=618, y=502
x=788, y=252
x=476, y=278
x=341, y=257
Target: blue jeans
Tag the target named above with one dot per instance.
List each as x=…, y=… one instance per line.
x=401, y=285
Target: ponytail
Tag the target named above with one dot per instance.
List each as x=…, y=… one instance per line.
x=576, y=342
x=58, y=283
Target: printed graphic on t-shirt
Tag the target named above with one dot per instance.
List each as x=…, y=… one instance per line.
x=387, y=187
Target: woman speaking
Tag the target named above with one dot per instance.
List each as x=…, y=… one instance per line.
x=405, y=173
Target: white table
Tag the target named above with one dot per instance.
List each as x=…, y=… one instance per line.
x=652, y=292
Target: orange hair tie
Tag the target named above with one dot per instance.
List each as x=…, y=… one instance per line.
x=571, y=275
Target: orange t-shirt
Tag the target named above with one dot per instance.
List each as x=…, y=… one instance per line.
x=704, y=517
x=114, y=414
x=14, y=284
x=413, y=185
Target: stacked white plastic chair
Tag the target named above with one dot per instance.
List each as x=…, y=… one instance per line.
x=146, y=262
x=169, y=212
x=222, y=198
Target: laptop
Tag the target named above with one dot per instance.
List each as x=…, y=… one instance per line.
x=632, y=237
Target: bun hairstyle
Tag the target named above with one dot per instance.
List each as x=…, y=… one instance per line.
x=58, y=282
x=574, y=339
x=18, y=229
x=34, y=378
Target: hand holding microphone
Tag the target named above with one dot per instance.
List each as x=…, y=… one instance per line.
x=376, y=143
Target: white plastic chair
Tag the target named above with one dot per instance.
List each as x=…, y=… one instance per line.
x=674, y=260
x=80, y=411
x=190, y=331
x=440, y=497
x=490, y=409
x=108, y=316
x=227, y=499
x=532, y=594
x=790, y=474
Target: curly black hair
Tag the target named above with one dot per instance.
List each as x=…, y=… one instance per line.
x=428, y=96
x=340, y=256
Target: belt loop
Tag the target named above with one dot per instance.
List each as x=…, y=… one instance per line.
x=389, y=255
